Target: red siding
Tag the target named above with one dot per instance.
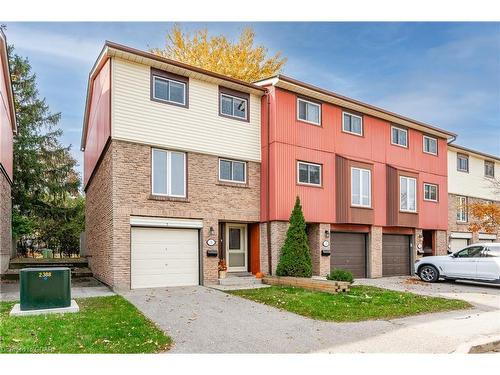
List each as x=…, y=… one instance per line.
x=6, y=122
x=292, y=140
x=99, y=124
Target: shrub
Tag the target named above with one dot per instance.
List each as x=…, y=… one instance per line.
x=295, y=258
x=340, y=275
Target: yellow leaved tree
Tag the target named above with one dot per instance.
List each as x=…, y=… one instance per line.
x=241, y=59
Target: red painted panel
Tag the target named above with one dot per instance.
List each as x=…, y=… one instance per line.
x=6, y=135
x=99, y=124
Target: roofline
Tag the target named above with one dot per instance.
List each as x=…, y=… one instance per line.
x=487, y=156
x=354, y=101
x=112, y=45
x=10, y=89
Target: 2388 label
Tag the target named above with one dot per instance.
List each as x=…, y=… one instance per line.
x=44, y=274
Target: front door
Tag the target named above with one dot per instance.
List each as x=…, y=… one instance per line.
x=236, y=247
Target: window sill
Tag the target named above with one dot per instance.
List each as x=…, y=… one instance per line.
x=408, y=212
x=362, y=207
x=233, y=184
x=165, y=198
x=309, y=185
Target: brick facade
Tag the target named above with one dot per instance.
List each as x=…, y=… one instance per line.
x=278, y=235
x=5, y=222
x=316, y=236
x=129, y=178
x=375, y=252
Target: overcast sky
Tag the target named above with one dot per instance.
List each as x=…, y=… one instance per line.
x=444, y=74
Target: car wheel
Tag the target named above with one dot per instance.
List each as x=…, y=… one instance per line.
x=428, y=273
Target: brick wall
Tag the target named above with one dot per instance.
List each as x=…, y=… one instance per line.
x=5, y=222
x=316, y=237
x=207, y=199
x=375, y=252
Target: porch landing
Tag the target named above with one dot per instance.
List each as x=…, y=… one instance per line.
x=238, y=280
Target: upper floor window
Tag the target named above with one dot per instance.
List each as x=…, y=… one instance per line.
x=407, y=194
x=352, y=123
x=431, y=192
x=169, y=90
x=232, y=171
x=462, y=163
x=361, y=187
x=308, y=111
x=430, y=145
x=169, y=173
x=462, y=214
x=233, y=104
x=308, y=173
x=489, y=168
x=399, y=136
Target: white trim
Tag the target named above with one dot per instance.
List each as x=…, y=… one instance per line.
x=309, y=183
x=408, y=194
x=169, y=168
x=423, y=145
x=313, y=103
x=234, y=161
x=465, y=157
x=402, y=129
x=461, y=235
x=487, y=236
x=351, y=132
x=155, y=77
x=464, y=205
x=165, y=222
x=233, y=97
x=437, y=192
x=243, y=244
x=361, y=188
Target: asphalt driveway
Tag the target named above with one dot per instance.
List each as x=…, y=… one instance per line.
x=204, y=320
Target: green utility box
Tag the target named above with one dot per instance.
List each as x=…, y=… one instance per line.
x=45, y=288
x=47, y=253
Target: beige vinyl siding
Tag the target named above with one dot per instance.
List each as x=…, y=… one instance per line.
x=198, y=128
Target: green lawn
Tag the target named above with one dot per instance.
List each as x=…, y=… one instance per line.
x=103, y=325
x=360, y=303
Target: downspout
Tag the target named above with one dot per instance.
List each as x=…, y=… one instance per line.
x=268, y=204
x=453, y=139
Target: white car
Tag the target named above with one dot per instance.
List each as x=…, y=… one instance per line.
x=480, y=261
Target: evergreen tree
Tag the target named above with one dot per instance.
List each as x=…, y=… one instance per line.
x=295, y=258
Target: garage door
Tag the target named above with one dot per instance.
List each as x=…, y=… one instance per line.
x=458, y=243
x=395, y=255
x=163, y=257
x=349, y=253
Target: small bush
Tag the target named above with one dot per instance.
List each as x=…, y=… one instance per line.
x=340, y=275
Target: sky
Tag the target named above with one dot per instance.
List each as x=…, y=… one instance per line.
x=443, y=74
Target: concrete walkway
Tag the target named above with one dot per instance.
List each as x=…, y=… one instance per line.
x=79, y=289
x=204, y=320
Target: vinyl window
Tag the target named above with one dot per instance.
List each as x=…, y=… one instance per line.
x=462, y=214
x=360, y=187
x=399, y=136
x=233, y=106
x=352, y=123
x=430, y=145
x=431, y=192
x=462, y=163
x=169, y=90
x=308, y=173
x=489, y=168
x=407, y=194
x=232, y=171
x=169, y=173
x=308, y=111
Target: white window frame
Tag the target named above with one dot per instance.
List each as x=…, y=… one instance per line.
x=309, y=183
x=437, y=192
x=233, y=97
x=348, y=131
x=309, y=102
x=232, y=163
x=466, y=157
x=169, y=169
x=408, y=194
x=401, y=129
x=462, y=207
x=361, y=188
x=423, y=145
x=169, y=80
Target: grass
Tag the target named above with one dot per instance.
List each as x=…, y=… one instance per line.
x=103, y=325
x=360, y=303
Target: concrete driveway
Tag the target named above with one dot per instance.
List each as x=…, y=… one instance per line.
x=204, y=320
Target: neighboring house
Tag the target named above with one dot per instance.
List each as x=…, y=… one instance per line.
x=373, y=184
x=172, y=171
x=470, y=176
x=7, y=131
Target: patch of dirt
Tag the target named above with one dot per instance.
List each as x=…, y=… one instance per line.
x=414, y=281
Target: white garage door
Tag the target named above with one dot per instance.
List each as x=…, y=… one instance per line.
x=458, y=243
x=164, y=257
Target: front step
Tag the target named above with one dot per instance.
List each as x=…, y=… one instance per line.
x=233, y=280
